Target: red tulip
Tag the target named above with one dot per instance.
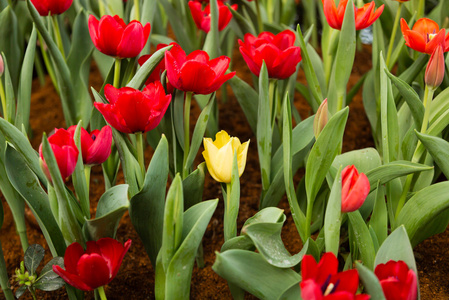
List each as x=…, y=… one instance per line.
x=65, y=150
x=397, y=280
x=113, y=37
x=160, y=68
x=95, y=146
x=355, y=188
x=280, y=54
x=364, y=16
x=130, y=110
x=322, y=280
x=202, y=17
x=425, y=36
x=95, y=267
x=52, y=7
x=435, y=68
x=195, y=72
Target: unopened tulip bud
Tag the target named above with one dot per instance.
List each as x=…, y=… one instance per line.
x=2, y=66
x=435, y=68
x=354, y=190
x=321, y=118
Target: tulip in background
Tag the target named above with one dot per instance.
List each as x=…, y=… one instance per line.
x=364, y=16
x=52, y=7
x=355, y=189
x=425, y=36
x=130, y=110
x=95, y=267
x=95, y=146
x=278, y=51
x=320, y=119
x=202, y=16
x=397, y=280
x=65, y=150
x=157, y=72
x=323, y=281
x=435, y=68
x=113, y=37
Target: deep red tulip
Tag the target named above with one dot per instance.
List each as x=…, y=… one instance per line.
x=95, y=267
x=322, y=280
x=95, y=146
x=202, y=16
x=364, y=16
x=52, y=7
x=355, y=188
x=278, y=51
x=435, y=68
x=195, y=72
x=425, y=36
x=113, y=37
x=160, y=68
x=397, y=280
x=130, y=110
x=65, y=150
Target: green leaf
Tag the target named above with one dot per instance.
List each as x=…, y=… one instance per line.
x=332, y=218
x=146, y=208
x=212, y=42
x=252, y=273
x=438, y=148
x=33, y=257
x=379, y=218
x=363, y=239
x=240, y=24
x=10, y=97
x=247, y=98
x=370, y=282
x=49, y=280
x=232, y=202
x=79, y=178
x=193, y=186
x=110, y=209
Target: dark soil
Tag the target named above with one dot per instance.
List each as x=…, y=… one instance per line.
x=136, y=276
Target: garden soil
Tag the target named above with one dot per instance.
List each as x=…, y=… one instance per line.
x=135, y=279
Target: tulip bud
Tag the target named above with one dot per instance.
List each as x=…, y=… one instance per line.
x=355, y=188
x=321, y=118
x=435, y=68
x=398, y=281
x=2, y=66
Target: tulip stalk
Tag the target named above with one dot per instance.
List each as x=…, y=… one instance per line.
x=137, y=9
x=187, y=103
x=101, y=293
x=47, y=63
x=87, y=169
x=259, y=17
x=101, y=8
x=393, y=34
x=58, y=34
x=140, y=152
x=229, y=227
x=118, y=63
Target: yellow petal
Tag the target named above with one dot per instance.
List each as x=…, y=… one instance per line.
x=223, y=163
x=210, y=153
x=242, y=153
x=221, y=139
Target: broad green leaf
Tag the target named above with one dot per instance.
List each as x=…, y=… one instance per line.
x=240, y=24
x=363, y=159
x=110, y=209
x=232, y=202
x=332, y=218
x=193, y=186
x=49, y=280
x=438, y=148
x=33, y=257
x=370, y=282
x=363, y=239
x=10, y=97
x=251, y=272
x=247, y=98
x=379, y=218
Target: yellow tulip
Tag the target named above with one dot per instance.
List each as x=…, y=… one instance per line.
x=219, y=155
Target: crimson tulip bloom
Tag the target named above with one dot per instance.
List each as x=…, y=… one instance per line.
x=95, y=267
x=65, y=150
x=157, y=72
x=397, y=280
x=425, y=36
x=202, y=17
x=113, y=37
x=322, y=280
x=130, y=110
x=280, y=54
x=195, y=72
x=355, y=188
x=435, y=68
x=95, y=146
x=364, y=16
x=52, y=7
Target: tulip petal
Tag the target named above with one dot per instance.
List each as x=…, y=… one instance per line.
x=132, y=41
x=72, y=279
x=93, y=270
x=347, y=281
x=310, y=290
x=112, y=116
x=113, y=253
x=219, y=65
x=110, y=33
x=72, y=255
x=209, y=154
x=100, y=149
x=196, y=77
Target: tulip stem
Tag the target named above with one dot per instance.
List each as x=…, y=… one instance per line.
x=308, y=219
x=187, y=103
x=58, y=34
x=229, y=224
x=393, y=34
x=3, y=98
x=87, y=169
x=259, y=17
x=49, y=67
x=101, y=292
x=420, y=10
x=101, y=8
x=118, y=63
x=140, y=152
x=137, y=9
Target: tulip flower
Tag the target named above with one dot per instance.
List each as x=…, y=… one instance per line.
x=320, y=119
x=397, y=280
x=355, y=189
x=95, y=267
x=2, y=65
x=435, y=68
x=160, y=68
x=95, y=146
x=202, y=16
x=364, y=16
x=280, y=54
x=65, y=151
x=219, y=155
x=113, y=37
x=52, y=7
x=425, y=36
x=322, y=280
x=195, y=72
x=130, y=110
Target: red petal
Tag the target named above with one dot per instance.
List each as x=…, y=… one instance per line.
x=71, y=257
x=348, y=281
x=132, y=41
x=72, y=279
x=196, y=77
x=100, y=149
x=93, y=270
x=110, y=33
x=113, y=253
x=310, y=290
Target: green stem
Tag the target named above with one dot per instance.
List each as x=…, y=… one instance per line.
x=58, y=34
x=87, y=169
x=100, y=291
x=228, y=226
x=118, y=63
x=428, y=95
x=420, y=12
x=140, y=152
x=393, y=34
x=259, y=17
x=101, y=8
x=137, y=9
x=4, y=277
x=3, y=98
x=308, y=219
x=33, y=293
x=185, y=170
x=47, y=63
